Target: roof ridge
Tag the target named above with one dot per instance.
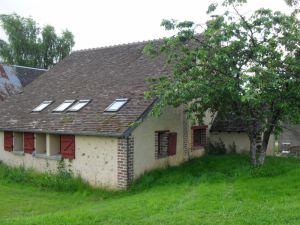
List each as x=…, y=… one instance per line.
x=28, y=67
x=118, y=45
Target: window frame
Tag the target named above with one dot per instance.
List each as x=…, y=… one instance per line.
x=70, y=102
x=125, y=100
x=47, y=103
x=203, y=143
x=158, y=153
x=86, y=101
x=8, y=136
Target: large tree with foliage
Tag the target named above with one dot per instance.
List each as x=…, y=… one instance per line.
x=29, y=45
x=248, y=65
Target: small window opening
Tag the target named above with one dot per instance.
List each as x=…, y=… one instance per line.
x=199, y=136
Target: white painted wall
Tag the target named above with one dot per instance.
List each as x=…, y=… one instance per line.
x=241, y=141
x=172, y=119
x=144, y=141
x=95, y=160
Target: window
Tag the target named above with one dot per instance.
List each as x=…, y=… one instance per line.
x=28, y=142
x=62, y=107
x=79, y=105
x=8, y=141
x=67, y=146
x=165, y=144
x=42, y=106
x=18, y=142
x=199, y=136
x=40, y=143
x=116, y=105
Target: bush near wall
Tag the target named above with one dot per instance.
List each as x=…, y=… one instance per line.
x=63, y=181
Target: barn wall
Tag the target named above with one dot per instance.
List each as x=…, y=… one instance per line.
x=241, y=141
x=144, y=141
x=173, y=120
x=95, y=159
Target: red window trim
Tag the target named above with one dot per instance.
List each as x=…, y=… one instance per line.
x=9, y=147
x=28, y=149
x=198, y=128
x=171, y=151
x=67, y=154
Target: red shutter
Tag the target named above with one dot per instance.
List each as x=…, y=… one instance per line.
x=8, y=141
x=67, y=146
x=28, y=142
x=172, y=141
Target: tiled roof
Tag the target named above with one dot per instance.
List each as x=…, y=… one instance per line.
x=228, y=123
x=27, y=74
x=101, y=75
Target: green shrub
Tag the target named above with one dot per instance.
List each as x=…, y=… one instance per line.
x=63, y=180
x=232, y=148
x=216, y=148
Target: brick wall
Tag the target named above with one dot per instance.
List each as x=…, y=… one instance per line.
x=185, y=138
x=125, y=161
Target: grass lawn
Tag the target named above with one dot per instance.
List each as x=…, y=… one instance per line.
x=210, y=190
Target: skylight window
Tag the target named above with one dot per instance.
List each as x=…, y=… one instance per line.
x=79, y=105
x=42, y=106
x=62, y=107
x=116, y=105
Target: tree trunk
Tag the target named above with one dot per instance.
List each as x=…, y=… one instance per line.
x=265, y=141
x=253, y=149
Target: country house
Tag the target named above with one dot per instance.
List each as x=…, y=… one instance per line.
x=90, y=111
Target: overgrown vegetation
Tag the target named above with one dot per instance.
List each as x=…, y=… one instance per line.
x=219, y=148
x=62, y=181
x=236, y=63
x=215, y=189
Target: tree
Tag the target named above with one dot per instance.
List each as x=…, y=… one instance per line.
x=246, y=65
x=292, y=2
x=29, y=45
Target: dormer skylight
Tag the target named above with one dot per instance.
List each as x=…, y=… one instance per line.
x=62, y=107
x=79, y=105
x=116, y=105
x=42, y=106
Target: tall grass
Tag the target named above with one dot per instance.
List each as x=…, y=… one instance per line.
x=208, y=169
x=63, y=181
x=213, y=169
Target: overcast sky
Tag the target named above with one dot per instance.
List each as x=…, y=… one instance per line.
x=108, y=22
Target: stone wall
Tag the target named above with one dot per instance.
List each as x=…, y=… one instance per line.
x=95, y=159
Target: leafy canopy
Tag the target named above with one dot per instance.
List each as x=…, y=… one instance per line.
x=29, y=45
x=247, y=65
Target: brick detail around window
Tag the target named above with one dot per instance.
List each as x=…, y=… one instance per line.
x=130, y=159
x=185, y=138
x=125, y=161
x=199, y=136
x=161, y=144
